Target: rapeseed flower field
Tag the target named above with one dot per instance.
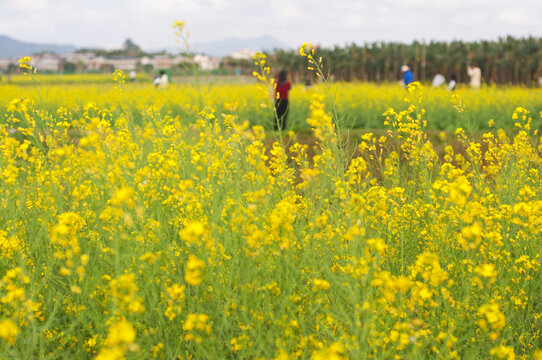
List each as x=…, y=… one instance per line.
x=358, y=105
x=140, y=224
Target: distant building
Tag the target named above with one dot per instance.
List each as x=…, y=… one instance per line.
x=207, y=62
x=5, y=62
x=90, y=62
x=243, y=54
x=98, y=63
x=47, y=62
x=79, y=58
x=146, y=61
x=124, y=64
x=161, y=62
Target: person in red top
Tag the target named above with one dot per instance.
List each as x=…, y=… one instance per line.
x=281, y=103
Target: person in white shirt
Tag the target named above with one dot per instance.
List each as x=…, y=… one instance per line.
x=438, y=80
x=161, y=80
x=475, y=75
x=164, y=79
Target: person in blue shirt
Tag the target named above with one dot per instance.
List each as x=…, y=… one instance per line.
x=408, y=76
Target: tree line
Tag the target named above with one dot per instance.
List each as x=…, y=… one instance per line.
x=505, y=61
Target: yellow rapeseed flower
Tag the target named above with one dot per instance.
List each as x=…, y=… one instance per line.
x=9, y=331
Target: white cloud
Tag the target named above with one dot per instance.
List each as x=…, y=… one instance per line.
x=515, y=16
x=27, y=5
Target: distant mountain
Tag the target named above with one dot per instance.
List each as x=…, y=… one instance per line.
x=225, y=47
x=14, y=48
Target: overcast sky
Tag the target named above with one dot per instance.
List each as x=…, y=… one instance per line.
x=107, y=23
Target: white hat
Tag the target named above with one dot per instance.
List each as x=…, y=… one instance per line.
x=404, y=68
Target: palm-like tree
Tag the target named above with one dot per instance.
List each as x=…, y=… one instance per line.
x=507, y=60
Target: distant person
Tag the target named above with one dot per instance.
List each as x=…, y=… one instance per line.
x=453, y=83
x=281, y=103
x=161, y=80
x=408, y=76
x=475, y=75
x=164, y=79
x=156, y=81
x=438, y=80
x=132, y=75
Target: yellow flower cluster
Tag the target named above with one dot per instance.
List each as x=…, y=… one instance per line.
x=194, y=325
x=25, y=64
x=9, y=331
x=193, y=269
x=120, y=339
